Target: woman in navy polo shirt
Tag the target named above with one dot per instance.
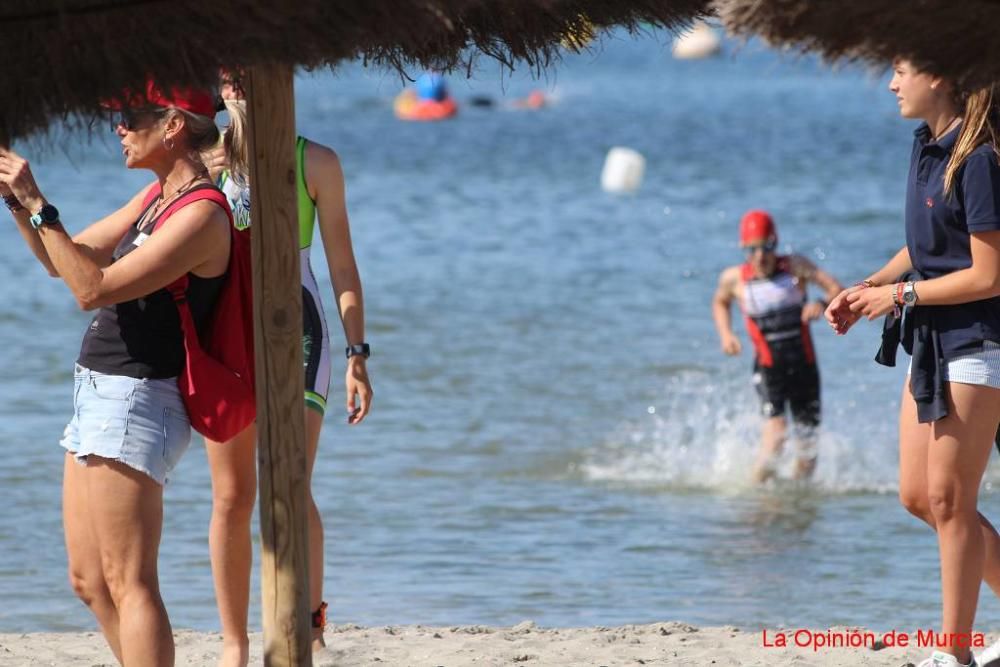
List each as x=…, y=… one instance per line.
x=947, y=277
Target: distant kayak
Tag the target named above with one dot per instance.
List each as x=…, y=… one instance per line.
x=408, y=106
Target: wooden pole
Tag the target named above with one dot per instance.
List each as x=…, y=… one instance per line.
x=277, y=287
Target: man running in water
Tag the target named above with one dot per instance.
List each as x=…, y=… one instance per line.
x=771, y=291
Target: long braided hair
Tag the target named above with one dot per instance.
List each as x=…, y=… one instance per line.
x=980, y=125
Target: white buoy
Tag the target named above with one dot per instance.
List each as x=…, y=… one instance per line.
x=699, y=42
x=623, y=169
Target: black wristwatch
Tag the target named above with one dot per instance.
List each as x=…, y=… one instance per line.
x=360, y=349
x=47, y=215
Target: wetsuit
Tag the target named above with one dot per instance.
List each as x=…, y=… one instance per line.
x=315, y=337
x=785, y=372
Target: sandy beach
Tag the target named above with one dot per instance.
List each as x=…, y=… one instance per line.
x=669, y=643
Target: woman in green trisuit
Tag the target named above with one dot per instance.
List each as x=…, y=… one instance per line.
x=233, y=464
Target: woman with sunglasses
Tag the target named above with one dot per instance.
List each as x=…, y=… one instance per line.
x=947, y=278
x=129, y=425
x=320, y=186
x=771, y=291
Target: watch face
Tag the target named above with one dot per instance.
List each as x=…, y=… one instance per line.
x=49, y=213
x=361, y=349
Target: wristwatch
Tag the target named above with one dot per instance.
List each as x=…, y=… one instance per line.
x=362, y=349
x=48, y=215
x=909, y=294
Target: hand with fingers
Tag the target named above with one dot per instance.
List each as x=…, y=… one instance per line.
x=731, y=345
x=215, y=161
x=359, y=390
x=16, y=176
x=873, y=302
x=812, y=311
x=839, y=315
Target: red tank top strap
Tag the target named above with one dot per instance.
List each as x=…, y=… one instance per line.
x=178, y=288
x=151, y=194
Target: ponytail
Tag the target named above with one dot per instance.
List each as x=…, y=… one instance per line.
x=235, y=141
x=980, y=125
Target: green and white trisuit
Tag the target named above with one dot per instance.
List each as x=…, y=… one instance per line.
x=315, y=337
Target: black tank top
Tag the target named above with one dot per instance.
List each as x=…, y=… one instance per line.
x=142, y=338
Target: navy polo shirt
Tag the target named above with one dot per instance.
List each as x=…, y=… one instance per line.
x=938, y=229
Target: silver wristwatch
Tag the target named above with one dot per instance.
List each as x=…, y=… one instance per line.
x=909, y=294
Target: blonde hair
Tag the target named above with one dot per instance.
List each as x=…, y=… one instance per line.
x=980, y=125
x=235, y=141
x=202, y=132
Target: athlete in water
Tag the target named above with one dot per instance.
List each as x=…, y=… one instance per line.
x=771, y=291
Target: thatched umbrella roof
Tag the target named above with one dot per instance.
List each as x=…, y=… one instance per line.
x=63, y=56
x=956, y=39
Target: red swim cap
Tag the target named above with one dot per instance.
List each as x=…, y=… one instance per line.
x=194, y=100
x=757, y=225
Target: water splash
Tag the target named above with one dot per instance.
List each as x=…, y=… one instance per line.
x=704, y=431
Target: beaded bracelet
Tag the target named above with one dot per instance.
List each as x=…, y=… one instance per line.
x=897, y=300
x=12, y=203
x=865, y=283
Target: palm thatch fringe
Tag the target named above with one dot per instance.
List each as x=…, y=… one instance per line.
x=955, y=39
x=62, y=57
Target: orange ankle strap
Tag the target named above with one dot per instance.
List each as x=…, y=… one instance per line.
x=319, y=617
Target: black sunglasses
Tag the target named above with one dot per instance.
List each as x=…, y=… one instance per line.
x=134, y=119
x=767, y=246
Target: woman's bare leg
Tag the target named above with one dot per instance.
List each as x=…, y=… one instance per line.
x=914, y=440
x=959, y=450
x=85, y=573
x=126, y=509
x=772, y=441
x=314, y=424
x=233, y=466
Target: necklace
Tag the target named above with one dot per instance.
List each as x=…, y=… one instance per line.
x=947, y=128
x=161, y=200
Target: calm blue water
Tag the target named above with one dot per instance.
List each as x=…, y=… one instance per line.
x=555, y=434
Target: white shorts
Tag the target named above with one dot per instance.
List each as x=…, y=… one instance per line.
x=979, y=368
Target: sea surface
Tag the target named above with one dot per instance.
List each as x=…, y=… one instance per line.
x=555, y=435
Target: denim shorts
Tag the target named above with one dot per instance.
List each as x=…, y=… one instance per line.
x=141, y=423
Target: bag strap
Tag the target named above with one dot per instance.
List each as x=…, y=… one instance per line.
x=198, y=193
x=178, y=288
x=151, y=194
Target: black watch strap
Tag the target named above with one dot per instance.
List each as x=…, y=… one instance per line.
x=362, y=349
